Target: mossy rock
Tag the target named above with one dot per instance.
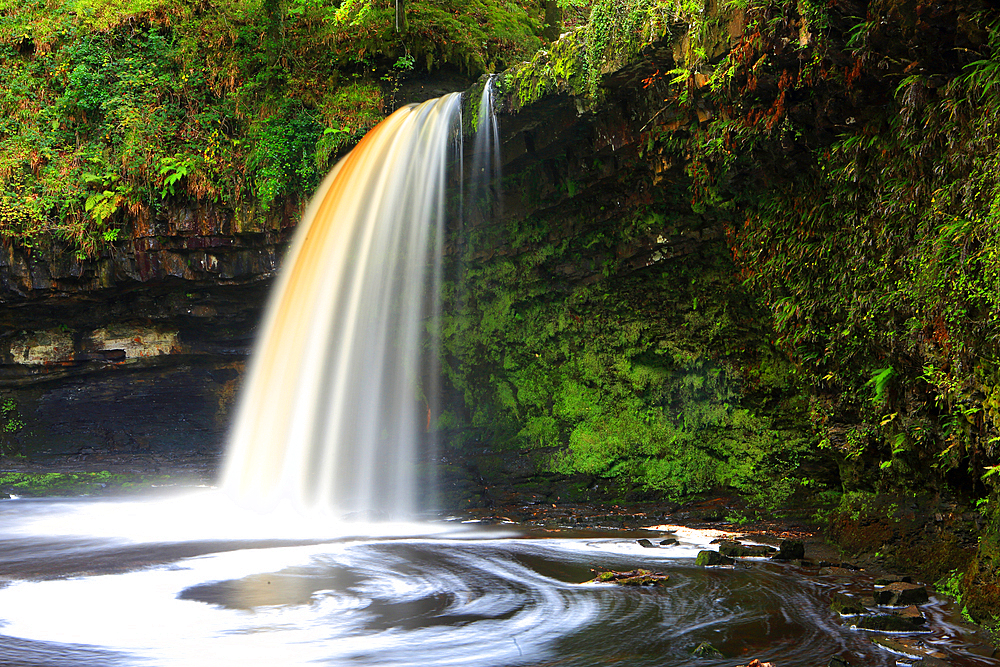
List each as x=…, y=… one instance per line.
x=901, y=594
x=886, y=623
x=43, y=484
x=790, y=550
x=632, y=578
x=735, y=549
x=708, y=557
x=847, y=605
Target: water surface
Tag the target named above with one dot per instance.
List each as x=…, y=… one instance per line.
x=194, y=581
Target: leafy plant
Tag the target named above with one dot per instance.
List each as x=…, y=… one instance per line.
x=879, y=382
x=172, y=170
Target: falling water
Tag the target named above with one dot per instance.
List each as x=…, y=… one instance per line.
x=486, y=159
x=332, y=414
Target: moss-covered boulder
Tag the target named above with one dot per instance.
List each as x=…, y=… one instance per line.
x=708, y=557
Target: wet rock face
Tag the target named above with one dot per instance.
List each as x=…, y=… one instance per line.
x=128, y=410
x=114, y=373
x=198, y=242
x=139, y=349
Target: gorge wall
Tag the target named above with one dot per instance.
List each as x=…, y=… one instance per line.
x=747, y=246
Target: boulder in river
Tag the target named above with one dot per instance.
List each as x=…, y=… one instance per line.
x=886, y=623
x=912, y=613
x=847, y=605
x=707, y=557
x=912, y=648
x=900, y=593
x=790, y=550
x=631, y=578
x=646, y=543
x=735, y=549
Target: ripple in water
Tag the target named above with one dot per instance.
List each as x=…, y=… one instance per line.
x=85, y=585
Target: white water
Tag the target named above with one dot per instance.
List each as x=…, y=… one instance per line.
x=99, y=582
x=486, y=158
x=333, y=412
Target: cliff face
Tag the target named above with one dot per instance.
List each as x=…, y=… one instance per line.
x=139, y=349
x=756, y=252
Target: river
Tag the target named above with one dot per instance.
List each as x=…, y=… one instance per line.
x=191, y=580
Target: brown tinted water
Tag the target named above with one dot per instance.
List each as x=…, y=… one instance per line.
x=193, y=582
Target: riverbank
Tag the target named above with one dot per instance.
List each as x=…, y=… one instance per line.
x=929, y=538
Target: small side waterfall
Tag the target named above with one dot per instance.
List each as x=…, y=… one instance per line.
x=332, y=412
x=486, y=159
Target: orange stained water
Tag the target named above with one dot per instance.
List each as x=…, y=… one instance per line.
x=330, y=416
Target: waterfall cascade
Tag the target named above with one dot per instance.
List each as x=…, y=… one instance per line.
x=332, y=414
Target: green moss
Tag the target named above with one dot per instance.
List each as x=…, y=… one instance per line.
x=628, y=377
x=109, y=110
x=76, y=483
x=575, y=63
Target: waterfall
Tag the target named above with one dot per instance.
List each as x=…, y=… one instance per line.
x=486, y=160
x=333, y=411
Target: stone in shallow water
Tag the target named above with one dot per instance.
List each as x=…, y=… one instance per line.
x=886, y=623
x=631, y=578
x=735, y=549
x=669, y=542
x=790, y=550
x=847, y=605
x=712, y=558
x=646, y=543
x=900, y=593
x=913, y=648
x=913, y=613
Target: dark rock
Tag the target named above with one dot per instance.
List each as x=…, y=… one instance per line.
x=712, y=558
x=735, y=549
x=669, y=542
x=646, y=543
x=790, y=550
x=836, y=571
x=892, y=579
x=931, y=661
x=837, y=661
x=886, y=623
x=900, y=594
x=840, y=564
x=982, y=650
x=912, y=613
x=631, y=578
x=847, y=605
x=913, y=648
